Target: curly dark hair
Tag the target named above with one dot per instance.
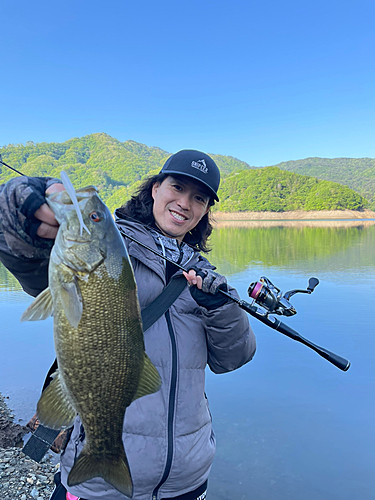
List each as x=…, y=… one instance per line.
x=140, y=208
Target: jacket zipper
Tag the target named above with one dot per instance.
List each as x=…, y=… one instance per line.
x=172, y=393
x=171, y=408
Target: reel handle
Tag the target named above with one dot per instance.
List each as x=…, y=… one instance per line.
x=313, y=282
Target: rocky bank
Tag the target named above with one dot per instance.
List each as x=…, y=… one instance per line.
x=20, y=477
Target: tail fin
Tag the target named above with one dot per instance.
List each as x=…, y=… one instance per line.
x=113, y=469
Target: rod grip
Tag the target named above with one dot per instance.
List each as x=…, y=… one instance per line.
x=340, y=362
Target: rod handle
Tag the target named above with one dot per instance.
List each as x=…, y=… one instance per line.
x=340, y=362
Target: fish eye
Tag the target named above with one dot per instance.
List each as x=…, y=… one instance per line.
x=96, y=216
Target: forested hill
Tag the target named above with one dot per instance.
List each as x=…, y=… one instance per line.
x=117, y=168
x=272, y=189
x=114, y=167
x=357, y=173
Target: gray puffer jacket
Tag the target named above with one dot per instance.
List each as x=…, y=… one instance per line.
x=168, y=435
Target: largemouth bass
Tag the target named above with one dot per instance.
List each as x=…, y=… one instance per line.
x=98, y=336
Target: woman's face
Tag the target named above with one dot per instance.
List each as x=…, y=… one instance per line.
x=179, y=205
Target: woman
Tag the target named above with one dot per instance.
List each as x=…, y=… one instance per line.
x=168, y=435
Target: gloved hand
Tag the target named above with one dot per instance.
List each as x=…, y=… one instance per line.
x=208, y=295
x=24, y=216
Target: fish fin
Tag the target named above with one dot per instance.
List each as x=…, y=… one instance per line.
x=149, y=381
x=113, y=469
x=71, y=300
x=54, y=409
x=41, y=308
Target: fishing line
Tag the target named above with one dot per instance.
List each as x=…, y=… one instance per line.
x=338, y=361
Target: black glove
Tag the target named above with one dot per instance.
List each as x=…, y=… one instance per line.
x=20, y=197
x=209, y=297
x=33, y=200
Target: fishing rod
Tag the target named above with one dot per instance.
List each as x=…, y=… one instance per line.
x=267, y=299
x=6, y=165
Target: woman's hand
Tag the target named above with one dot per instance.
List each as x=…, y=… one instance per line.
x=193, y=278
x=204, y=286
x=49, y=226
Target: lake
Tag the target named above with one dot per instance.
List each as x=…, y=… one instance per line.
x=289, y=424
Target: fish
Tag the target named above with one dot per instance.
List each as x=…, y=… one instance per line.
x=98, y=336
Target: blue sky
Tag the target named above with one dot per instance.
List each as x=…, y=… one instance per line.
x=265, y=82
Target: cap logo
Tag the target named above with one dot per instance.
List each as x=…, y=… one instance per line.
x=200, y=165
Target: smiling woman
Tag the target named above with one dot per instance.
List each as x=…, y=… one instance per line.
x=196, y=178
x=179, y=205
x=173, y=427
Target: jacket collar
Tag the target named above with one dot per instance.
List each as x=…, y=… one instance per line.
x=149, y=259
x=139, y=232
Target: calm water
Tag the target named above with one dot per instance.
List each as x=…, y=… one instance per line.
x=289, y=424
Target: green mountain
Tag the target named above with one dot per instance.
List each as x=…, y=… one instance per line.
x=117, y=168
x=272, y=189
x=356, y=173
x=94, y=159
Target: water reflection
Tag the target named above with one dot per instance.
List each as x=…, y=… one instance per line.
x=297, y=246
x=289, y=424
x=26, y=349
x=7, y=281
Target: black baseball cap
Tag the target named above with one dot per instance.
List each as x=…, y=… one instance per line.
x=196, y=165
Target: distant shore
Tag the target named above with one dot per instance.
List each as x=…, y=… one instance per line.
x=295, y=215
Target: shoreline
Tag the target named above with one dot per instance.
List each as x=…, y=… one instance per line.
x=294, y=215
x=11, y=434
x=20, y=477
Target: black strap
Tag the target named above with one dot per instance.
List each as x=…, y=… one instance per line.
x=41, y=440
x=163, y=302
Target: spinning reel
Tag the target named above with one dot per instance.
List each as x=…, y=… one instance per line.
x=270, y=298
